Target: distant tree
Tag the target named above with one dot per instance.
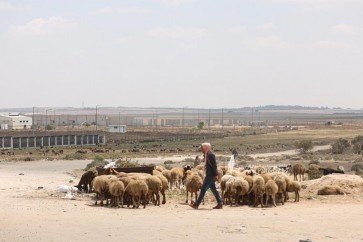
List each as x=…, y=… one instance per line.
x=49, y=127
x=200, y=125
x=304, y=145
x=339, y=146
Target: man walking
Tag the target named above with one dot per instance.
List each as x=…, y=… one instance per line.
x=210, y=178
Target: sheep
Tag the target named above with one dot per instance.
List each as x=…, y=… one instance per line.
x=165, y=186
x=298, y=169
x=85, y=183
x=193, y=183
x=177, y=174
x=258, y=188
x=328, y=171
x=229, y=184
x=294, y=186
x=224, y=180
x=154, y=187
x=331, y=190
x=167, y=174
x=101, y=186
x=137, y=189
x=117, y=189
x=159, y=168
x=281, y=184
x=271, y=189
x=267, y=176
x=157, y=172
x=240, y=187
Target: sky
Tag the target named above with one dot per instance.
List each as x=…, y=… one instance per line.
x=181, y=53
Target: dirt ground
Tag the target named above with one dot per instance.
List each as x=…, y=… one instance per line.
x=33, y=210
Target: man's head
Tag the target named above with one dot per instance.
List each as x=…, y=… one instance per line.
x=206, y=147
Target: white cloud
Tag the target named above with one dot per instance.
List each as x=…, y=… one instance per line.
x=6, y=7
x=238, y=29
x=274, y=42
x=268, y=26
x=328, y=44
x=178, y=32
x=314, y=2
x=175, y=3
x=44, y=26
x=122, y=11
x=343, y=28
x=122, y=40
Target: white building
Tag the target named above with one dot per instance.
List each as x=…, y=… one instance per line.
x=117, y=128
x=15, y=121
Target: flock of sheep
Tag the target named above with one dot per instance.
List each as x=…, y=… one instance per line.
x=238, y=186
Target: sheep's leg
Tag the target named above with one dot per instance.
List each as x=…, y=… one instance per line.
x=187, y=198
x=282, y=198
x=164, y=199
x=133, y=202
x=267, y=197
x=122, y=200
x=144, y=201
x=237, y=202
x=223, y=199
x=196, y=197
x=273, y=200
x=262, y=201
x=297, y=196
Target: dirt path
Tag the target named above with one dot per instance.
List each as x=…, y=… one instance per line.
x=31, y=213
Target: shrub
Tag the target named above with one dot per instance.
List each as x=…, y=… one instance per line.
x=315, y=162
x=168, y=162
x=314, y=174
x=28, y=158
x=304, y=145
x=359, y=172
x=127, y=163
x=357, y=167
x=200, y=125
x=98, y=161
x=340, y=145
x=357, y=143
x=75, y=156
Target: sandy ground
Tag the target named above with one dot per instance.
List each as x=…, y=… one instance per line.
x=33, y=210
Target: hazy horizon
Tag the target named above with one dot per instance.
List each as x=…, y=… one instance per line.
x=181, y=53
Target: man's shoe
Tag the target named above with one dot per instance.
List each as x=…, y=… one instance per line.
x=195, y=206
x=219, y=206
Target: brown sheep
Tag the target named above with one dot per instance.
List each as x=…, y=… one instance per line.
x=240, y=187
x=167, y=175
x=271, y=189
x=299, y=169
x=154, y=187
x=258, y=189
x=137, y=190
x=193, y=183
x=177, y=174
x=117, y=189
x=294, y=186
x=165, y=186
x=281, y=184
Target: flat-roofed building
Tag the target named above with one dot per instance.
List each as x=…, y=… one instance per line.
x=15, y=121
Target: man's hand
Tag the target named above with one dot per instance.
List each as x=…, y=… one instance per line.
x=216, y=178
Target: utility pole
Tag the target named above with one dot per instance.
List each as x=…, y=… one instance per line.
x=119, y=122
x=183, y=119
x=96, y=114
x=209, y=119
x=222, y=118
